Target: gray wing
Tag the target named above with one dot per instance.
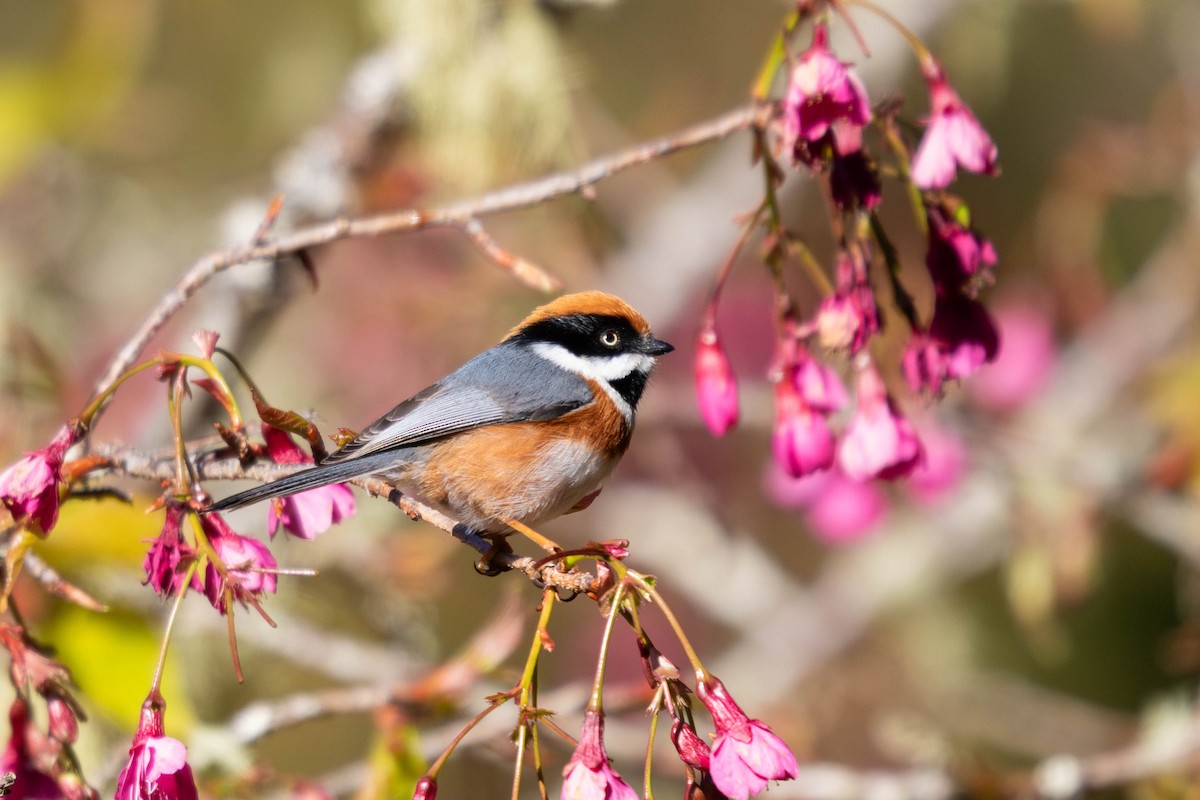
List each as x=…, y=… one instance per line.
x=507, y=383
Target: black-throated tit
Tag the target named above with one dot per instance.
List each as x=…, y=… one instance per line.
x=527, y=430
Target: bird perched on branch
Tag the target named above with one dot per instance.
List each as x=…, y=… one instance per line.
x=523, y=432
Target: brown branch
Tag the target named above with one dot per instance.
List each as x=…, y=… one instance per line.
x=161, y=466
x=459, y=214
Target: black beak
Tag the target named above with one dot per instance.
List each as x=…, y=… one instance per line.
x=656, y=347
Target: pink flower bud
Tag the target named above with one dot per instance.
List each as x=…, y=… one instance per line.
x=167, y=561
x=693, y=750
x=426, y=789
x=879, y=442
x=819, y=385
x=29, y=488
x=716, y=386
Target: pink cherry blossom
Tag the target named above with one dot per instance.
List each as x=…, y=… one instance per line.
x=801, y=440
x=956, y=254
x=818, y=384
x=962, y=337
x=304, y=514
x=746, y=754
x=954, y=138
x=246, y=561
x=588, y=775
x=879, y=442
x=716, y=386
x=822, y=90
x=847, y=319
x=157, y=768
x=169, y=556
x=29, y=488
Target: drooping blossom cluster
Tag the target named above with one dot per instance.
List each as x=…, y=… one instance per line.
x=827, y=128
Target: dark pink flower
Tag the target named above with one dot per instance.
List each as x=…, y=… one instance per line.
x=588, y=775
x=818, y=384
x=847, y=319
x=716, y=386
x=29, y=488
x=801, y=440
x=1025, y=363
x=167, y=561
x=956, y=253
x=693, y=750
x=853, y=176
x=157, y=767
x=746, y=754
x=247, y=564
x=426, y=789
x=304, y=514
x=879, y=442
x=62, y=716
x=31, y=782
x=822, y=91
x=952, y=139
x=962, y=338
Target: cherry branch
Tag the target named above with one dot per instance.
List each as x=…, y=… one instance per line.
x=161, y=467
x=463, y=215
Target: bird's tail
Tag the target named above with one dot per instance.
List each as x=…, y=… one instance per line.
x=312, y=478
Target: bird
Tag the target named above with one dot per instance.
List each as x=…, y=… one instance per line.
x=522, y=433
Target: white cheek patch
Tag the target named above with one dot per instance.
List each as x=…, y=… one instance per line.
x=601, y=369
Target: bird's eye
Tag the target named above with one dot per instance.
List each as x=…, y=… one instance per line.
x=610, y=338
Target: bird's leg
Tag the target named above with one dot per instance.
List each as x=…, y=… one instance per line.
x=487, y=564
x=549, y=545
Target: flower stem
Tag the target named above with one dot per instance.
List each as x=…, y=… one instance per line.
x=673, y=621
x=94, y=405
x=776, y=56
x=156, y=683
x=594, y=704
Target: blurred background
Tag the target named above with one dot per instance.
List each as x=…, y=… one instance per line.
x=1033, y=594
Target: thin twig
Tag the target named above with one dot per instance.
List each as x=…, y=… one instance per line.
x=459, y=214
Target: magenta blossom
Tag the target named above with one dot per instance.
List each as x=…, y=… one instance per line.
x=847, y=319
x=956, y=253
x=31, y=782
x=157, y=768
x=801, y=440
x=247, y=566
x=588, y=775
x=167, y=561
x=693, y=750
x=818, y=384
x=879, y=442
x=304, y=514
x=716, y=386
x=29, y=488
x=425, y=789
x=962, y=338
x=746, y=754
x=822, y=91
x=954, y=138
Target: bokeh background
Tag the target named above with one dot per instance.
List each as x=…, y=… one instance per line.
x=1037, y=599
